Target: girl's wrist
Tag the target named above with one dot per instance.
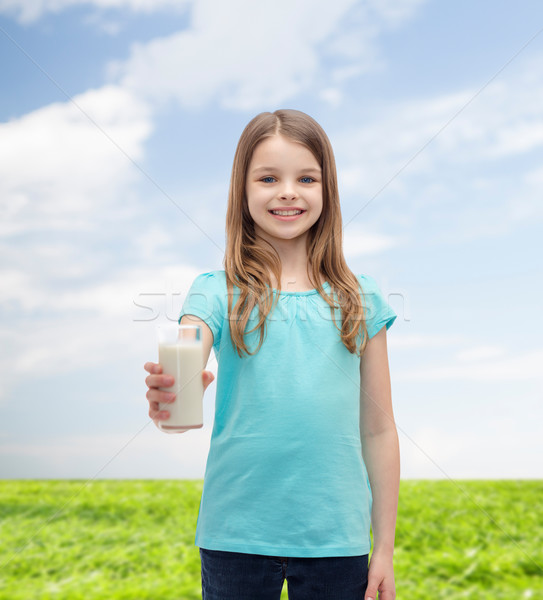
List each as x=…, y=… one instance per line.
x=384, y=550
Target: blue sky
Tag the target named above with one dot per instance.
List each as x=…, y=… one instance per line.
x=118, y=124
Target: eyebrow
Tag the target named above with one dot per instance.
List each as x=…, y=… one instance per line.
x=308, y=170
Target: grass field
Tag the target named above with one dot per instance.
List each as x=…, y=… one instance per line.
x=134, y=540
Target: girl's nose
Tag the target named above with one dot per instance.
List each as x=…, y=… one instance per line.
x=288, y=193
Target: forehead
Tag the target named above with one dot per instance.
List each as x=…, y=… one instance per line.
x=280, y=150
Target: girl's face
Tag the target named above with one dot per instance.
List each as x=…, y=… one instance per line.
x=284, y=189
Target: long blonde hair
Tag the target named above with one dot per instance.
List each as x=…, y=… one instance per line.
x=249, y=264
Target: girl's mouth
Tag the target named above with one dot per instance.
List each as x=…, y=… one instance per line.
x=287, y=215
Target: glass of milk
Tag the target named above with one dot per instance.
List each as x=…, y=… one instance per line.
x=180, y=353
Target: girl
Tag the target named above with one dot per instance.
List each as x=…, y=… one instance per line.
x=304, y=450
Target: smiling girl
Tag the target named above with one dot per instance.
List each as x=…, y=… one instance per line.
x=304, y=451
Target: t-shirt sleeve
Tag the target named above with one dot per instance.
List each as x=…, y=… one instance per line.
x=204, y=301
x=378, y=311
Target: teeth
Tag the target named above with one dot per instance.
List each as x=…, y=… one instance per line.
x=286, y=213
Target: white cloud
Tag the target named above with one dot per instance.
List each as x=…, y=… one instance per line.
x=70, y=211
x=111, y=321
x=358, y=240
x=252, y=54
x=427, y=341
x=63, y=164
x=28, y=11
x=480, y=353
x=394, y=12
x=370, y=155
x=95, y=321
x=504, y=120
x=142, y=453
x=523, y=367
x=332, y=96
x=505, y=448
x=427, y=167
x=535, y=177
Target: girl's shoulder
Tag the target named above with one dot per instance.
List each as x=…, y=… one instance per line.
x=371, y=290
x=211, y=284
x=211, y=278
x=367, y=282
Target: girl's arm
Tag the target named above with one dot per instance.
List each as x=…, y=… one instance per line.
x=207, y=335
x=380, y=449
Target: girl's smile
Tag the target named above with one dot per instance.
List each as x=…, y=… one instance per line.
x=284, y=189
x=287, y=215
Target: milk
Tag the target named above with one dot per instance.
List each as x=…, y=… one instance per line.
x=183, y=360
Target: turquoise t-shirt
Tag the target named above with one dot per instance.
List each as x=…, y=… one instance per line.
x=285, y=474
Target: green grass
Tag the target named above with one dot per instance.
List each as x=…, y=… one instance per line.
x=134, y=540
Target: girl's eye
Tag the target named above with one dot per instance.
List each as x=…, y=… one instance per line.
x=267, y=179
x=307, y=180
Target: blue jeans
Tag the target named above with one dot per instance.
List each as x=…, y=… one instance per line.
x=237, y=576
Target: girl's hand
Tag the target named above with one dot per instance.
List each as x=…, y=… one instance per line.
x=381, y=577
x=155, y=396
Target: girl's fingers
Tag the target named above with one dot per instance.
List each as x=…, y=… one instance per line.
x=156, y=396
x=158, y=415
x=152, y=367
x=156, y=381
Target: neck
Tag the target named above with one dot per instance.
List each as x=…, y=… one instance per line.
x=294, y=265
